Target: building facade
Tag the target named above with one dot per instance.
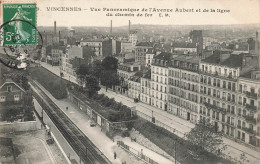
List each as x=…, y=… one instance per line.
x=183, y=86
x=159, y=80
x=134, y=87
x=11, y=92
x=140, y=51
x=54, y=57
x=125, y=71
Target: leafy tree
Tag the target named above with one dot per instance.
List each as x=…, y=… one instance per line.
x=81, y=72
x=22, y=81
x=109, y=79
x=37, y=55
x=92, y=85
x=205, y=138
x=110, y=64
x=28, y=106
x=97, y=69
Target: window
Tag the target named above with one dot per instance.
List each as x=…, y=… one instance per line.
x=218, y=83
x=252, y=90
x=229, y=85
x=224, y=96
x=252, y=102
x=239, y=124
x=243, y=136
x=245, y=88
x=214, y=82
x=9, y=88
x=16, y=97
x=209, y=91
x=244, y=112
x=2, y=99
x=224, y=84
x=240, y=88
x=217, y=115
x=239, y=112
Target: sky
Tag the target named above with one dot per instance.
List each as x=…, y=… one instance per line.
x=240, y=12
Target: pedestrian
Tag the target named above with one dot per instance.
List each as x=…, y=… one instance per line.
x=67, y=108
x=114, y=155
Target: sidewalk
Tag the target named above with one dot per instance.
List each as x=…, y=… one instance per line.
x=234, y=149
x=156, y=157
x=106, y=145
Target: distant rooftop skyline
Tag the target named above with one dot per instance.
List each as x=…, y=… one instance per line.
x=241, y=12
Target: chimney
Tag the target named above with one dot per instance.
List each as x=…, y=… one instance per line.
x=59, y=35
x=257, y=51
x=111, y=27
x=54, y=27
x=129, y=26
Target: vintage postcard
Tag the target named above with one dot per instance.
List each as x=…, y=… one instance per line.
x=130, y=81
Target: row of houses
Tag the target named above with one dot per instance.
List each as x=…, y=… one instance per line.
x=223, y=88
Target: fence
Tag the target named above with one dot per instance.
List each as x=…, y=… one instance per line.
x=18, y=126
x=159, y=123
x=135, y=152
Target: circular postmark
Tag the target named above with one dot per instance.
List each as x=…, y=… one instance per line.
x=15, y=56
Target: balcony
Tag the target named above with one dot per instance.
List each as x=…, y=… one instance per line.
x=248, y=130
x=215, y=108
x=251, y=95
x=250, y=119
x=216, y=74
x=251, y=107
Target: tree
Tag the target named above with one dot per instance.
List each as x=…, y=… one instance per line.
x=92, y=85
x=21, y=80
x=110, y=64
x=96, y=69
x=109, y=79
x=81, y=72
x=37, y=55
x=205, y=138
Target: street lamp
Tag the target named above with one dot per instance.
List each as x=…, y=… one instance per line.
x=175, y=160
x=153, y=119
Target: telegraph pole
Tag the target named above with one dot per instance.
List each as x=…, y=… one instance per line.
x=175, y=152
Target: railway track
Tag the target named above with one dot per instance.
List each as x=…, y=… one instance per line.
x=83, y=146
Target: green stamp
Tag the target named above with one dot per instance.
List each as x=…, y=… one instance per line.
x=19, y=26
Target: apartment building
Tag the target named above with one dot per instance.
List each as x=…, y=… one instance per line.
x=228, y=95
x=140, y=51
x=183, y=87
x=248, y=127
x=125, y=71
x=134, y=87
x=146, y=88
x=159, y=80
x=75, y=57
x=103, y=47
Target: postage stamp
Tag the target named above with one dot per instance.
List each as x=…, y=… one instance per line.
x=21, y=24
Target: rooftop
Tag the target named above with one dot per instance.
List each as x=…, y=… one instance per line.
x=163, y=56
x=183, y=45
x=232, y=60
x=94, y=40
x=188, y=58
x=145, y=44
